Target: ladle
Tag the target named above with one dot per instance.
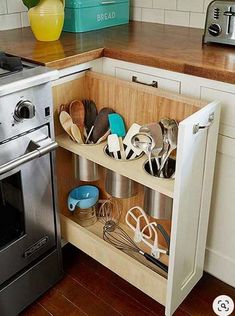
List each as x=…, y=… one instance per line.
x=146, y=143
x=171, y=135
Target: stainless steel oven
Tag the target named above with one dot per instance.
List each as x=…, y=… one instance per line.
x=30, y=256
x=27, y=217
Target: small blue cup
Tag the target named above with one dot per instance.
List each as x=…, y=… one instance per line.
x=83, y=197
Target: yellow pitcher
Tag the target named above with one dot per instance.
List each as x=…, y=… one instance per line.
x=47, y=19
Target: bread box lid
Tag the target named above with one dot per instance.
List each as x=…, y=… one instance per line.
x=79, y=4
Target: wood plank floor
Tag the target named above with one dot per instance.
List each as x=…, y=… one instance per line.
x=88, y=288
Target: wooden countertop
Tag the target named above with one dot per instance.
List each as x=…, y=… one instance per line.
x=168, y=47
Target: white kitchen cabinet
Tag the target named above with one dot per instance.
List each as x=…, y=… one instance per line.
x=220, y=229
x=227, y=99
x=146, y=75
x=191, y=189
x=146, y=79
x=218, y=256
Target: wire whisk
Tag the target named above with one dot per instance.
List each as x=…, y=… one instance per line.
x=109, y=211
x=116, y=236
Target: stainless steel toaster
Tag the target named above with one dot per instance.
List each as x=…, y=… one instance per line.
x=220, y=22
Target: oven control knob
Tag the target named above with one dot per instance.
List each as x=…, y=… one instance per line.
x=214, y=29
x=24, y=110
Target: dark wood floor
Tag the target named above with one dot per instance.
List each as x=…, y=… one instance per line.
x=88, y=288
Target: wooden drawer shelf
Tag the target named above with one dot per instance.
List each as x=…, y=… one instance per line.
x=131, y=169
x=90, y=241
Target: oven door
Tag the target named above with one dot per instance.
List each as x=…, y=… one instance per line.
x=27, y=210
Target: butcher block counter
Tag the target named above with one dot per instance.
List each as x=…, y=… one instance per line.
x=173, y=48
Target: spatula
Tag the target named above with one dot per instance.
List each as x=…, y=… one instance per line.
x=131, y=151
x=117, y=126
x=101, y=125
x=114, y=145
x=90, y=114
x=103, y=138
x=66, y=122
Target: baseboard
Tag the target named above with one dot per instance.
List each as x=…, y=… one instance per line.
x=220, y=266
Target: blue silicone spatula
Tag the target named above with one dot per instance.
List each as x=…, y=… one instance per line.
x=117, y=126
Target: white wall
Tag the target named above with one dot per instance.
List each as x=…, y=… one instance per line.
x=175, y=12
x=13, y=14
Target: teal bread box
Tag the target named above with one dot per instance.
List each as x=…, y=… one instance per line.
x=87, y=15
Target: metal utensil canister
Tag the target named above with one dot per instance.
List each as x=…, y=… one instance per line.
x=85, y=170
x=157, y=204
x=119, y=186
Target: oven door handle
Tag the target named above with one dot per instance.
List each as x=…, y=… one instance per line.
x=41, y=151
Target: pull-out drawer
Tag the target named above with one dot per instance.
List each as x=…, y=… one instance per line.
x=191, y=189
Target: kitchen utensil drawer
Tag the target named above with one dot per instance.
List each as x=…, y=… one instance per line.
x=191, y=189
x=90, y=241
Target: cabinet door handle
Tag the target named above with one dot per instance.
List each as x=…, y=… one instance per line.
x=198, y=127
x=154, y=83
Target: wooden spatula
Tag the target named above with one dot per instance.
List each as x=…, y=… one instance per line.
x=101, y=125
x=104, y=137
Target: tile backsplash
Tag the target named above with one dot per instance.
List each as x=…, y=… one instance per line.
x=13, y=14
x=175, y=12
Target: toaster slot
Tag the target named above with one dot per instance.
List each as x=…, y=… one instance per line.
x=229, y=14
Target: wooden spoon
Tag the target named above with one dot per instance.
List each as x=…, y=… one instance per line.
x=77, y=112
x=64, y=107
x=76, y=134
x=66, y=122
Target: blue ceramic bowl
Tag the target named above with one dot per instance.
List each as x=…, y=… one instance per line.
x=83, y=197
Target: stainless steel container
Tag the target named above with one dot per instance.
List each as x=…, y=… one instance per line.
x=119, y=186
x=85, y=170
x=157, y=205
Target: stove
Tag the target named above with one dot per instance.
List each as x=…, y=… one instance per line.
x=30, y=254
x=19, y=74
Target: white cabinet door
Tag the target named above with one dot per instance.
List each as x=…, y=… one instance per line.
x=193, y=187
x=145, y=78
x=221, y=241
